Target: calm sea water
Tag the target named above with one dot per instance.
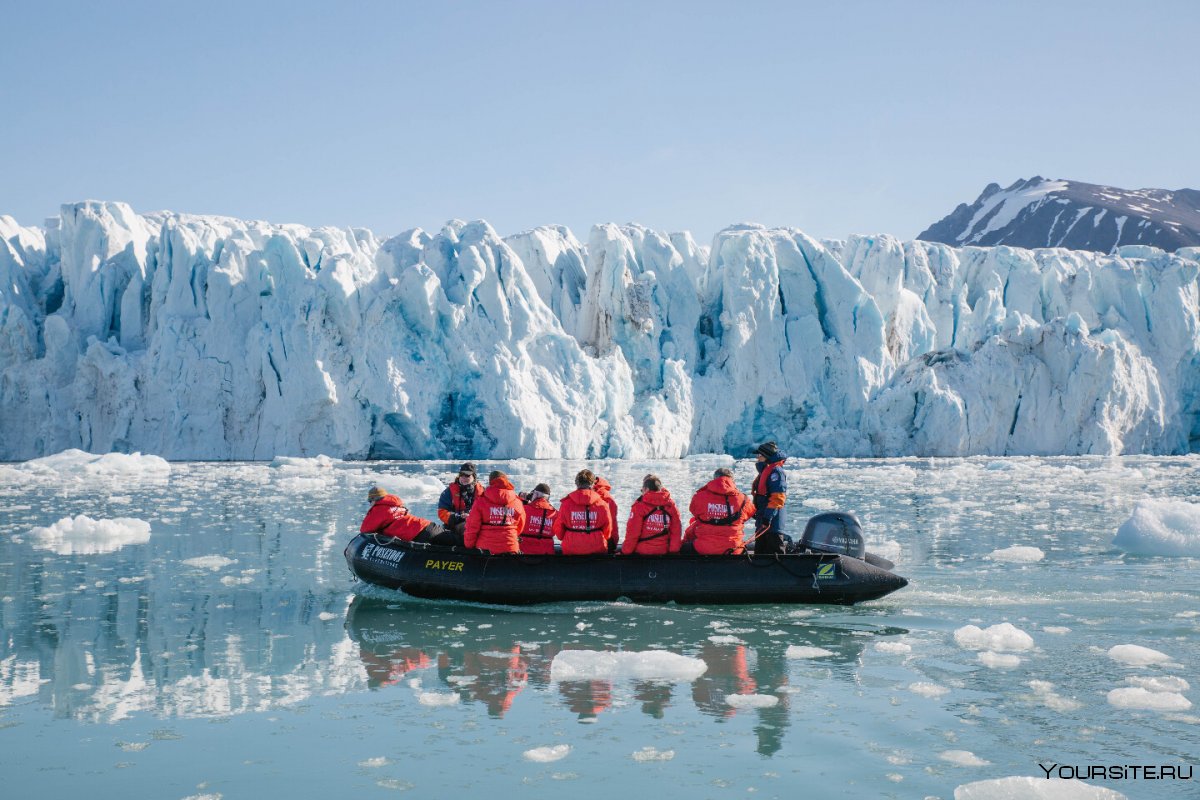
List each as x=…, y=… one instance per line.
x=232, y=654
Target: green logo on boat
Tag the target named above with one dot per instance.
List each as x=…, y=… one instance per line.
x=827, y=570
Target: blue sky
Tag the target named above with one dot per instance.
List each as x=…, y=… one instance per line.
x=836, y=118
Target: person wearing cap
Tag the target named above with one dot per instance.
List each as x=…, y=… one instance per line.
x=719, y=513
x=537, y=539
x=770, y=494
x=604, y=489
x=584, y=523
x=496, y=519
x=457, y=499
x=653, y=528
x=389, y=516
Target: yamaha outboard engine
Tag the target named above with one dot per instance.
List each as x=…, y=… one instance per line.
x=834, y=532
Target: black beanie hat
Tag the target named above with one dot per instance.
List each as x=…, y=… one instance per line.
x=767, y=450
x=543, y=488
x=467, y=467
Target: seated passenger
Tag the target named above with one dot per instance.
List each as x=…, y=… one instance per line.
x=457, y=499
x=604, y=489
x=719, y=512
x=538, y=537
x=390, y=517
x=496, y=518
x=584, y=523
x=653, y=527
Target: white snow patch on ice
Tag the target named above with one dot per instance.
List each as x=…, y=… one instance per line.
x=82, y=535
x=1135, y=697
x=1161, y=528
x=544, y=755
x=582, y=665
x=1024, y=787
x=1004, y=637
x=1018, y=554
x=807, y=651
x=1137, y=656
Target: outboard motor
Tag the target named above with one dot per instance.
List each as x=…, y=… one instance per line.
x=834, y=532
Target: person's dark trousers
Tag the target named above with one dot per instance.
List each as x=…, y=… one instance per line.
x=768, y=542
x=436, y=534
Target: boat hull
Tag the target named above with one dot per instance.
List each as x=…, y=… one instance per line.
x=423, y=570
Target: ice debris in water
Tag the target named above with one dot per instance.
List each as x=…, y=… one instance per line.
x=1161, y=528
x=374, y=763
x=1167, y=683
x=752, y=700
x=896, y=648
x=82, y=535
x=726, y=639
x=653, y=754
x=806, y=651
x=1058, y=630
x=437, y=698
x=582, y=665
x=213, y=562
x=545, y=755
x=964, y=758
x=926, y=689
x=1137, y=656
x=1135, y=697
x=1004, y=637
x=1025, y=787
x=1018, y=554
x=77, y=465
x=994, y=660
x=1044, y=691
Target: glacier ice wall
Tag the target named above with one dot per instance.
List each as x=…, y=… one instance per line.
x=210, y=337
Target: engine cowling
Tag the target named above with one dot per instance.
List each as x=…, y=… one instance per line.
x=835, y=532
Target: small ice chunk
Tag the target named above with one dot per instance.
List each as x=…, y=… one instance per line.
x=84, y=536
x=964, y=758
x=1058, y=630
x=1004, y=637
x=1017, y=554
x=1025, y=787
x=820, y=503
x=1044, y=690
x=999, y=660
x=325, y=616
x=209, y=562
x=1137, y=656
x=583, y=665
x=374, y=763
x=725, y=640
x=926, y=689
x=653, y=754
x=896, y=648
x=1167, y=683
x=752, y=700
x=437, y=698
x=1135, y=697
x=544, y=755
x=1161, y=528
x=806, y=651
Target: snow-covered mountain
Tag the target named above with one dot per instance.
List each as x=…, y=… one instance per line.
x=1080, y=216
x=210, y=337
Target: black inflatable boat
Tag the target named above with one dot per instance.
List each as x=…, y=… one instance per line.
x=830, y=566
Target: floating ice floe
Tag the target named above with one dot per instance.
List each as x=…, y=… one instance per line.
x=1167, y=683
x=77, y=465
x=995, y=660
x=964, y=758
x=896, y=648
x=1135, y=697
x=752, y=700
x=725, y=639
x=926, y=689
x=1161, y=528
x=437, y=698
x=1025, y=787
x=1135, y=655
x=1044, y=692
x=582, y=665
x=1018, y=554
x=807, y=651
x=1057, y=630
x=374, y=763
x=213, y=562
x=1004, y=637
x=652, y=754
x=544, y=755
x=82, y=535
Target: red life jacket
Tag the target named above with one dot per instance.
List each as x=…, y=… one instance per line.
x=538, y=536
x=760, y=483
x=456, y=496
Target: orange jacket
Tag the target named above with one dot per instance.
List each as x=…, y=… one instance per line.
x=538, y=536
x=719, y=512
x=583, y=523
x=653, y=527
x=496, y=519
x=389, y=517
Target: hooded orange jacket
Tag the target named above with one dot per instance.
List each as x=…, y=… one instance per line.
x=496, y=519
x=719, y=512
x=583, y=523
x=653, y=527
x=389, y=517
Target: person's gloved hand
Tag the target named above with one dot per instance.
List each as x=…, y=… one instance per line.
x=766, y=517
x=457, y=519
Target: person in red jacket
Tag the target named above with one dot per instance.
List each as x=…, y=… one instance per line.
x=537, y=539
x=496, y=518
x=719, y=512
x=653, y=527
x=604, y=489
x=390, y=517
x=584, y=523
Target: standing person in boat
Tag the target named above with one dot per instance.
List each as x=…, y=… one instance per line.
x=537, y=539
x=770, y=493
x=653, y=528
x=584, y=523
x=719, y=512
x=457, y=499
x=390, y=517
x=604, y=489
x=497, y=518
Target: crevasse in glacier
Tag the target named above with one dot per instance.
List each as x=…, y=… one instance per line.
x=210, y=337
